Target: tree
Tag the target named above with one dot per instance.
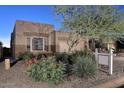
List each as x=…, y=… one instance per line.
x=93, y=22
x=1, y=43
x=72, y=41
x=0, y=49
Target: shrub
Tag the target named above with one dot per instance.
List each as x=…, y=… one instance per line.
x=85, y=66
x=48, y=71
x=63, y=57
x=69, y=58
x=81, y=53
x=66, y=59
x=40, y=56
x=26, y=56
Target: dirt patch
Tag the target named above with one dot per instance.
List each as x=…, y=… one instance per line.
x=16, y=77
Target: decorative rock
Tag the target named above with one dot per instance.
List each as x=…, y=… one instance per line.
x=7, y=64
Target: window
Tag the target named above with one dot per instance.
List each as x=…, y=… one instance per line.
x=37, y=44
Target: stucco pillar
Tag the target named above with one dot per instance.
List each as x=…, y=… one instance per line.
x=86, y=44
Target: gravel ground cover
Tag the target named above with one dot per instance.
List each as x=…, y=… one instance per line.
x=16, y=77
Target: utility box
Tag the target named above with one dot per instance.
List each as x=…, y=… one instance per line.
x=7, y=64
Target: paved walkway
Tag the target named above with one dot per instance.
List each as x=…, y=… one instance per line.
x=118, y=64
x=112, y=84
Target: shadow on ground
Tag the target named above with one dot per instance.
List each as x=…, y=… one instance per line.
x=14, y=61
x=1, y=60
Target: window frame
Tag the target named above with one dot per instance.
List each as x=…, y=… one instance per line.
x=38, y=41
x=31, y=43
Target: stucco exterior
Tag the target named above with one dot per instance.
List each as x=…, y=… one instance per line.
x=24, y=32
x=61, y=39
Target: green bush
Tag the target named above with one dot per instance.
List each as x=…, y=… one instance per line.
x=85, y=66
x=26, y=56
x=48, y=71
x=70, y=59
x=41, y=55
x=63, y=57
x=82, y=63
x=81, y=53
x=66, y=59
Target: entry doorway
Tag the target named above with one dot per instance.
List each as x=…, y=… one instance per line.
x=95, y=43
x=120, y=45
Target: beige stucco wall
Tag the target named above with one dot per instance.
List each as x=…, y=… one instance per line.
x=62, y=45
x=57, y=41
x=24, y=30
x=61, y=41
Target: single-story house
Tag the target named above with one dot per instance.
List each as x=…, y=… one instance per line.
x=43, y=38
x=39, y=38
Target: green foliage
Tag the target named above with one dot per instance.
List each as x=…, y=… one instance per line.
x=66, y=59
x=70, y=59
x=102, y=22
x=26, y=56
x=63, y=57
x=40, y=56
x=85, y=65
x=81, y=53
x=48, y=71
x=1, y=43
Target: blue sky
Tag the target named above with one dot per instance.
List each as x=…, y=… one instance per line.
x=9, y=14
